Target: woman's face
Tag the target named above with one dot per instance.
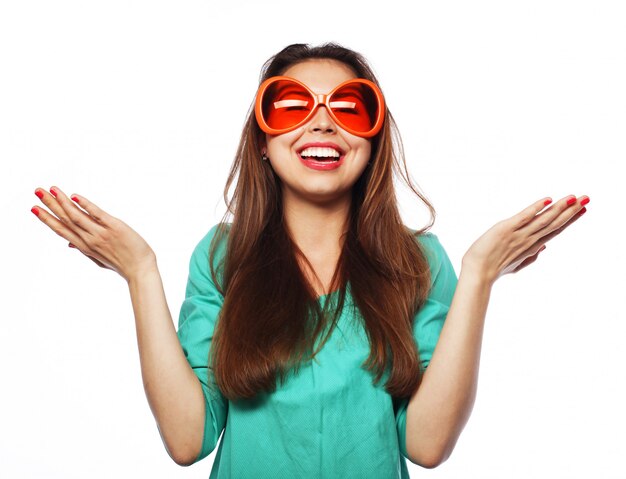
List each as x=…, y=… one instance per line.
x=304, y=182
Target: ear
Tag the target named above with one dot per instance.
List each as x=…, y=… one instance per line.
x=262, y=146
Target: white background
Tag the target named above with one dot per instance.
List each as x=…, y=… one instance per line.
x=138, y=106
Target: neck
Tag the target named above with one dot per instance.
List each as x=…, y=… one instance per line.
x=317, y=228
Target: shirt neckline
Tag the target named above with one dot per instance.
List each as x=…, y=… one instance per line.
x=332, y=293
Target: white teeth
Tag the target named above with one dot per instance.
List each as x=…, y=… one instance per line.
x=323, y=152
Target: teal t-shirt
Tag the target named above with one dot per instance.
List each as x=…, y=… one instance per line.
x=330, y=420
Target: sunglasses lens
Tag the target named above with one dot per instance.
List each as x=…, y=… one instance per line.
x=356, y=106
x=285, y=104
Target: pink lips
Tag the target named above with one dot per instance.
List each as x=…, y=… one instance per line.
x=322, y=165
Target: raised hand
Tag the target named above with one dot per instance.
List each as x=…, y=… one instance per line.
x=106, y=240
x=514, y=243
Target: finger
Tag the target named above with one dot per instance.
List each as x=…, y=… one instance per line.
x=527, y=253
x=70, y=213
x=557, y=215
x=528, y=214
x=94, y=211
x=530, y=260
x=541, y=221
x=57, y=226
x=560, y=229
x=572, y=211
x=64, y=230
x=57, y=211
x=99, y=263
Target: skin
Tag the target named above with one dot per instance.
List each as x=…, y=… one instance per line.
x=316, y=209
x=317, y=203
x=439, y=409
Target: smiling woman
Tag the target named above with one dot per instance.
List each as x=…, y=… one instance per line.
x=319, y=333
x=317, y=124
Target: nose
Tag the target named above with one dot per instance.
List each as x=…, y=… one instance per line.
x=321, y=121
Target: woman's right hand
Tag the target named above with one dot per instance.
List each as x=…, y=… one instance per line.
x=106, y=240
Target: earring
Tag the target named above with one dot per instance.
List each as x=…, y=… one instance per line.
x=264, y=156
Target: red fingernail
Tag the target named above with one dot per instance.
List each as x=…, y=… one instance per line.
x=74, y=199
x=547, y=202
x=35, y=210
x=71, y=245
x=53, y=193
x=571, y=201
x=583, y=211
x=584, y=201
x=39, y=194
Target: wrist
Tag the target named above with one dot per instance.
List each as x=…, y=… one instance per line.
x=476, y=274
x=142, y=271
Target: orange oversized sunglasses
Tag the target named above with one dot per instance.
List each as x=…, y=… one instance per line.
x=283, y=104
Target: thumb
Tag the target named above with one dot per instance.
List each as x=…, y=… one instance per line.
x=102, y=265
x=529, y=260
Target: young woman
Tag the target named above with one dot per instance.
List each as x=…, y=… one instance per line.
x=309, y=324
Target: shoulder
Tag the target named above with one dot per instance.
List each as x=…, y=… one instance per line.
x=200, y=256
x=213, y=233
x=430, y=245
x=434, y=251
x=443, y=275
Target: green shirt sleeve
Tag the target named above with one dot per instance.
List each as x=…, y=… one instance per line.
x=196, y=323
x=430, y=318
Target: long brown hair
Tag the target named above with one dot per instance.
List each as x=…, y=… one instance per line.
x=271, y=318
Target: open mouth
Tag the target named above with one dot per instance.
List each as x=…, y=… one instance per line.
x=321, y=154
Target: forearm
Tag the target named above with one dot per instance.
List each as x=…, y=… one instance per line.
x=440, y=408
x=173, y=391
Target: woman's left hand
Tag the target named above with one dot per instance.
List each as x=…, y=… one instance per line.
x=514, y=243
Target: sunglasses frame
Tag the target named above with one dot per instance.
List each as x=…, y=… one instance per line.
x=319, y=99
